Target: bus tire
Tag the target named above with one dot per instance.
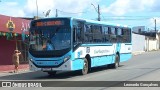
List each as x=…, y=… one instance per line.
x=117, y=61
x=115, y=64
x=85, y=67
x=51, y=73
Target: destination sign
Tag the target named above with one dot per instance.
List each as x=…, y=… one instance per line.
x=49, y=23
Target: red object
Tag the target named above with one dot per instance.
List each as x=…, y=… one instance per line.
x=7, y=47
x=6, y=51
x=20, y=24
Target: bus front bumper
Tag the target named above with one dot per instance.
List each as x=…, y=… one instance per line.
x=64, y=67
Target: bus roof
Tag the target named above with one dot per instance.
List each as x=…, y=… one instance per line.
x=89, y=21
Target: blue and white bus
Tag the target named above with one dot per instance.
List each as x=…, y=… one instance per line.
x=69, y=44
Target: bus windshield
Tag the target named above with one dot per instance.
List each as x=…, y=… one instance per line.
x=50, y=38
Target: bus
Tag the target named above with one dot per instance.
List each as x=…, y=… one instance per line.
x=70, y=44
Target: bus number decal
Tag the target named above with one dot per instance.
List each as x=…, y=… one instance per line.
x=88, y=50
x=79, y=54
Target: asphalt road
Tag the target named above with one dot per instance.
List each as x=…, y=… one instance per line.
x=144, y=67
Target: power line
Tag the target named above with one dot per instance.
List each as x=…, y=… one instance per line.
x=133, y=16
x=126, y=19
x=71, y=12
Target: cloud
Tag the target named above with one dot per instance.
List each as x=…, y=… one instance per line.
x=17, y=9
x=12, y=9
x=11, y=3
x=118, y=7
x=71, y=6
x=121, y=7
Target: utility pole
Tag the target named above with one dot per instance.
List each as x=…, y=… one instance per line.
x=98, y=11
x=155, y=25
x=56, y=13
x=37, y=8
x=99, y=17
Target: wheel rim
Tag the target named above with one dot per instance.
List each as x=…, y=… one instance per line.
x=116, y=64
x=117, y=61
x=85, y=68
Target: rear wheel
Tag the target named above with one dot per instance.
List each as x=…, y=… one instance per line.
x=116, y=64
x=51, y=73
x=85, y=67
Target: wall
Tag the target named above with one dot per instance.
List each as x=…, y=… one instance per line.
x=7, y=48
x=152, y=43
x=138, y=43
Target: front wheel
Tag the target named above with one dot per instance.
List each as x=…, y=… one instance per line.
x=85, y=67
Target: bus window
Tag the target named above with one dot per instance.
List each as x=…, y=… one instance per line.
x=78, y=34
x=74, y=34
x=88, y=34
x=126, y=35
x=105, y=34
x=113, y=34
x=97, y=34
x=113, y=31
x=77, y=37
x=119, y=31
x=119, y=35
x=129, y=35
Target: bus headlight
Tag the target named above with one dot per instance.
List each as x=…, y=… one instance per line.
x=66, y=58
x=30, y=59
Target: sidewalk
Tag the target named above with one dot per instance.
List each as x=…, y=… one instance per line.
x=9, y=68
x=137, y=52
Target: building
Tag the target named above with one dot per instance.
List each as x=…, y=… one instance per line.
x=13, y=32
x=145, y=41
x=138, y=29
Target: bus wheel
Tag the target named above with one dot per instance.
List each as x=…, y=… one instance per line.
x=115, y=64
x=51, y=73
x=85, y=67
x=117, y=61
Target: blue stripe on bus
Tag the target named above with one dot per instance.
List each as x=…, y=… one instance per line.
x=96, y=61
x=125, y=57
x=100, y=61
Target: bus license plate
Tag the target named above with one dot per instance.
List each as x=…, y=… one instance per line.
x=46, y=69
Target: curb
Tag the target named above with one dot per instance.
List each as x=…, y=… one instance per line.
x=6, y=73
x=138, y=53
x=11, y=71
x=10, y=68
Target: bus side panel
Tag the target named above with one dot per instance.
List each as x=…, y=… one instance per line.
x=125, y=52
x=77, y=64
x=104, y=60
x=100, y=55
x=125, y=57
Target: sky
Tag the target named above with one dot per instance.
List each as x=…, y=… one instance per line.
x=123, y=12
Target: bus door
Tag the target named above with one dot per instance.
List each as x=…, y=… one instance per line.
x=78, y=33
x=118, y=47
